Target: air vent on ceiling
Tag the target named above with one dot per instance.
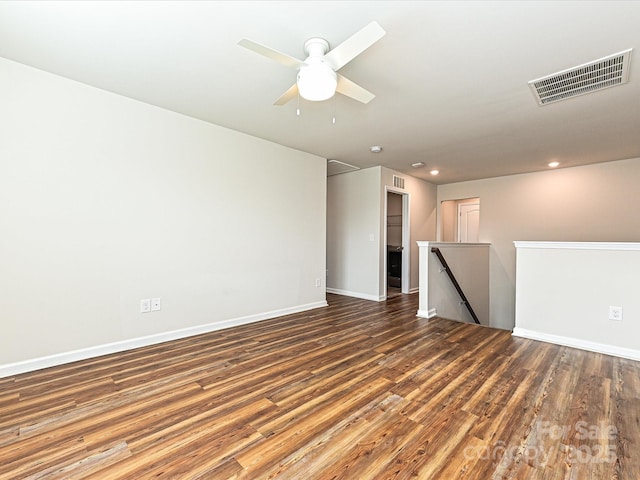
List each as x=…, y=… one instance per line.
x=603, y=73
x=398, y=182
x=334, y=167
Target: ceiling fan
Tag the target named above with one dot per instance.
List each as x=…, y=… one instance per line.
x=317, y=78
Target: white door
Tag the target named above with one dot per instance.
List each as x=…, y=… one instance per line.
x=468, y=222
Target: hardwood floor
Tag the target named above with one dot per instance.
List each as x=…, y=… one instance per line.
x=358, y=390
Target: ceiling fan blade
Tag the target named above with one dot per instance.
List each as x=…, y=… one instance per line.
x=288, y=95
x=354, y=45
x=353, y=90
x=269, y=52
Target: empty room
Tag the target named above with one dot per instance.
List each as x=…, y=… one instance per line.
x=319, y=240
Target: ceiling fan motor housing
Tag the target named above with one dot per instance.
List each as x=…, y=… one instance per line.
x=316, y=47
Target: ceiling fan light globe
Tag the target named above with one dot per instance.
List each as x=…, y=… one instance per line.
x=317, y=81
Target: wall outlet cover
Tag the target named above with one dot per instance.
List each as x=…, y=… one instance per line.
x=145, y=305
x=615, y=313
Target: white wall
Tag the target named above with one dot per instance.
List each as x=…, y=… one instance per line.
x=564, y=290
x=355, y=214
x=353, y=233
x=105, y=201
x=591, y=203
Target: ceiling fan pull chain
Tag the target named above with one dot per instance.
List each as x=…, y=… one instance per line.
x=333, y=107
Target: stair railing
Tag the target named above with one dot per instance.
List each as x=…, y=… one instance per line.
x=452, y=277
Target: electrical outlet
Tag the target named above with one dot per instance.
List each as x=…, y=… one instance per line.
x=155, y=304
x=615, y=313
x=318, y=283
x=145, y=305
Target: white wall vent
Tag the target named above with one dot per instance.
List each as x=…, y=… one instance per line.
x=590, y=77
x=398, y=182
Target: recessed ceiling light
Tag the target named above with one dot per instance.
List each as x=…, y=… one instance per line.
x=376, y=149
x=434, y=172
x=554, y=164
x=417, y=165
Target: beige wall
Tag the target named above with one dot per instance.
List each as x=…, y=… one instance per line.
x=105, y=201
x=469, y=263
x=590, y=203
x=448, y=222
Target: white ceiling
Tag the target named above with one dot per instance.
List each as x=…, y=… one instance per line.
x=450, y=78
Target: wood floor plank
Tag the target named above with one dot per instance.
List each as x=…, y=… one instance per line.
x=90, y=462
x=357, y=390
x=429, y=452
x=170, y=448
x=626, y=419
x=343, y=435
x=35, y=462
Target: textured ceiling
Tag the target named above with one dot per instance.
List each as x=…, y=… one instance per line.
x=450, y=78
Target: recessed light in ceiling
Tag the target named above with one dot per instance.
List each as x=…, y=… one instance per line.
x=417, y=165
x=434, y=172
x=376, y=149
x=553, y=164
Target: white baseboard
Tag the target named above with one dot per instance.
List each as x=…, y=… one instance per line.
x=364, y=296
x=414, y=290
x=623, y=352
x=99, y=350
x=427, y=313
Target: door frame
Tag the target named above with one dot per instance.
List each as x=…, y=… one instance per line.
x=406, y=241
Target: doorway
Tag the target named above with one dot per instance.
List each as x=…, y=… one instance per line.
x=460, y=221
x=396, y=243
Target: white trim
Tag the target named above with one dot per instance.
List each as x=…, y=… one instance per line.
x=414, y=290
x=425, y=244
x=115, y=347
x=427, y=314
x=579, y=245
x=364, y=296
x=406, y=243
x=629, y=353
